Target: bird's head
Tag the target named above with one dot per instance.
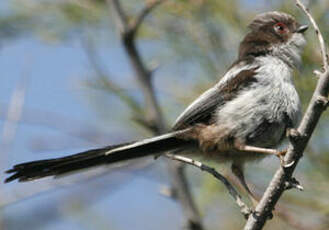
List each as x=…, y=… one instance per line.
x=274, y=33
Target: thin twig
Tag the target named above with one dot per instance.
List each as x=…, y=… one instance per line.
x=15, y=109
x=245, y=210
x=144, y=76
x=297, y=143
x=120, y=16
x=323, y=48
x=142, y=15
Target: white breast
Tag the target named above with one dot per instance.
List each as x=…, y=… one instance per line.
x=272, y=97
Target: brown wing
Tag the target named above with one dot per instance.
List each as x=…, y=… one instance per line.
x=203, y=108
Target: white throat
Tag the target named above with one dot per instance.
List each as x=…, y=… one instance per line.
x=290, y=52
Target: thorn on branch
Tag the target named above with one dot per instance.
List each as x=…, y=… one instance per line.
x=317, y=73
x=322, y=101
x=256, y=215
x=294, y=135
x=153, y=66
x=246, y=211
x=168, y=192
x=293, y=183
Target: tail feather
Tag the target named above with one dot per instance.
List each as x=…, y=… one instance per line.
x=107, y=155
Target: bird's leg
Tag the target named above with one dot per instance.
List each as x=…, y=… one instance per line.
x=238, y=172
x=248, y=148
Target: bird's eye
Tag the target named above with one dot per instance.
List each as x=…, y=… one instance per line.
x=280, y=28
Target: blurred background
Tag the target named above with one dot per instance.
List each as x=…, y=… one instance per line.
x=67, y=85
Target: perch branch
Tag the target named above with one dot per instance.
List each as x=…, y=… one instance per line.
x=297, y=144
x=245, y=210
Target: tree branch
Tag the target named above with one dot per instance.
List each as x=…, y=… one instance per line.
x=119, y=15
x=298, y=142
x=245, y=210
x=153, y=113
x=323, y=48
x=142, y=15
x=154, y=117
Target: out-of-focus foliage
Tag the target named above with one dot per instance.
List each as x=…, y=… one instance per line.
x=195, y=42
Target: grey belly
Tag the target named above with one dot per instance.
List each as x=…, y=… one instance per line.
x=266, y=134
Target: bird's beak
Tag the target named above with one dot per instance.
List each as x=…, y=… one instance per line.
x=302, y=28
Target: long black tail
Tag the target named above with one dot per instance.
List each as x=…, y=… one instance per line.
x=107, y=155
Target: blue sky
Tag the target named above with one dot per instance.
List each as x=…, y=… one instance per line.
x=52, y=71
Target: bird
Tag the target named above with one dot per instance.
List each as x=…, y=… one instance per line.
x=242, y=118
